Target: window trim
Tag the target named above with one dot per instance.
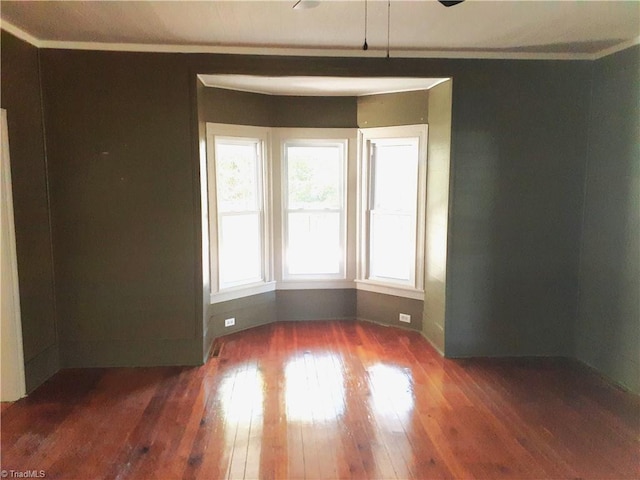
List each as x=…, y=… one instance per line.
x=414, y=289
x=281, y=134
x=262, y=135
x=342, y=143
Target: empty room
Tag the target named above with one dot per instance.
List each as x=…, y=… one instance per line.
x=300, y=239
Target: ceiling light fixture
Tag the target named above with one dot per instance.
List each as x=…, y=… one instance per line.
x=305, y=4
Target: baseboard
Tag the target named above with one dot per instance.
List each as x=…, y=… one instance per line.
x=41, y=367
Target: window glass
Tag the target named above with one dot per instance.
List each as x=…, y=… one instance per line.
x=393, y=166
x=240, y=216
x=236, y=176
x=314, y=209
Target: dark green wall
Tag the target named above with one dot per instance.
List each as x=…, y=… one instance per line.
x=391, y=109
x=248, y=312
x=219, y=105
x=380, y=308
x=608, y=323
x=316, y=304
x=518, y=150
x=126, y=223
x=125, y=204
x=243, y=108
x=20, y=80
x=437, y=218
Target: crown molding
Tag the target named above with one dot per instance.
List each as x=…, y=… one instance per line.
x=21, y=34
x=617, y=48
x=310, y=52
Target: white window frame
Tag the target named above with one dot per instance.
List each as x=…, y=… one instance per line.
x=342, y=144
x=348, y=136
x=415, y=287
x=261, y=136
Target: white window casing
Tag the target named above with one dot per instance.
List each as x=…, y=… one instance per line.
x=391, y=210
x=247, y=210
x=344, y=140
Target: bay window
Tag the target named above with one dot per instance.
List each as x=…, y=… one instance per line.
x=308, y=211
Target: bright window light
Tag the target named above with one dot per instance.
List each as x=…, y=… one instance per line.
x=392, y=238
x=393, y=195
x=238, y=179
x=314, y=209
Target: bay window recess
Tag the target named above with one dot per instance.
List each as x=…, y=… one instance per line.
x=392, y=210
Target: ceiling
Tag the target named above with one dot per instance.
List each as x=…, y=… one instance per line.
x=475, y=28
x=319, y=86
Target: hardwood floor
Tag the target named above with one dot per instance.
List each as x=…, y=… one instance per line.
x=327, y=400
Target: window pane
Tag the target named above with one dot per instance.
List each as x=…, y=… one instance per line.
x=392, y=246
x=237, y=176
x=313, y=174
x=314, y=243
x=240, y=249
x=395, y=172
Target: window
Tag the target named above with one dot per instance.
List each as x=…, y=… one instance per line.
x=314, y=209
x=237, y=198
x=391, y=235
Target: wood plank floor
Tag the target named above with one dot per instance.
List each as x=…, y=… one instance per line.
x=327, y=400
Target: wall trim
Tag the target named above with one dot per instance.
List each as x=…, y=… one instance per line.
x=617, y=48
x=21, y=34
x=309, y=52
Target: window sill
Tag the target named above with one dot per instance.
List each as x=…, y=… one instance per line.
x=312, y=284
x=388, y=289
x=242, y=291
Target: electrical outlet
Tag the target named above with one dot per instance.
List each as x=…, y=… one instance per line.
x=229, y=322
x=405, y=318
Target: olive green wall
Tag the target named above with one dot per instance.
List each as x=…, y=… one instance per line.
x=517, y=163
x=248, y=312
x=391, y=109
x=380, y=308
x=608, y=323
x=219, y=105
x=122, y=141
x=318, y=304
x=124, y=206
x=242, y=108
x=437, y=219
x=20, y=96
x=518, y=152
x=314, y=112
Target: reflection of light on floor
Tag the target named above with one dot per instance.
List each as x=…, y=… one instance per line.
x=314, y=388
x=242, y=395
x=391, y=392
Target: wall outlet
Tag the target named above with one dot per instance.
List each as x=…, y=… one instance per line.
x=405, y=318
x=229, y=322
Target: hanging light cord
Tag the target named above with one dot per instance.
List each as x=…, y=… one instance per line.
x=365, y=46
x=388, y=25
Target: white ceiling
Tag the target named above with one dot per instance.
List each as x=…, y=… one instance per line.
x=318, y=86
x=525, y=29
